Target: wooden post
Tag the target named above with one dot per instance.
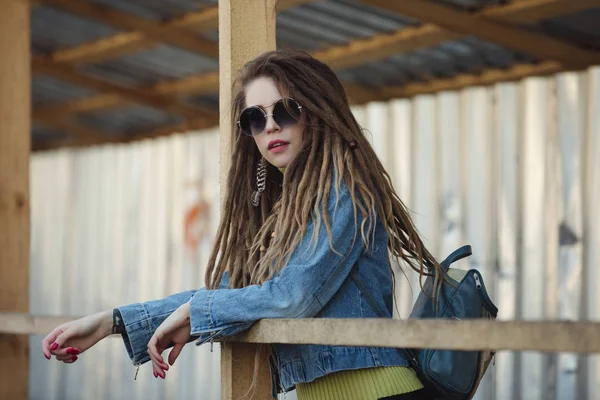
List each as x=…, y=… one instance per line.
x=246, y=29
x=15, y=134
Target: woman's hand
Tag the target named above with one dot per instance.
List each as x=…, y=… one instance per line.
x=176, y=330
x=72, y=338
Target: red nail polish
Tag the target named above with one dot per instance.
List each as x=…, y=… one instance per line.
x=155, y=374
x=47, y=357
x=54, y=346
x=74, y=358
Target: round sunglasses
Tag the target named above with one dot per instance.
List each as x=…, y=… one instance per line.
x=253, y=119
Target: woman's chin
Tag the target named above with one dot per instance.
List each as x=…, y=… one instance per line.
x=279, y=162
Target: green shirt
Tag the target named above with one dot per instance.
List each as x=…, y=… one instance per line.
x=361, y=384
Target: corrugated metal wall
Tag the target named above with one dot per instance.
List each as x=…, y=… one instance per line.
x=513, y=170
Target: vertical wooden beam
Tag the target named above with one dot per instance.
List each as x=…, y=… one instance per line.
x=14, y=190
x=246, y=29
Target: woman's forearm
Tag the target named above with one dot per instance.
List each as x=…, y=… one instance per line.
x=106, y=326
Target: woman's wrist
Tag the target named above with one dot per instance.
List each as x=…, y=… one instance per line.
x=107, y=323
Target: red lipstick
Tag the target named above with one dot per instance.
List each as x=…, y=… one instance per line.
x=277, y=146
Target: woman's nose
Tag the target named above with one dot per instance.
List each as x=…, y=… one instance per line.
x=271, y=125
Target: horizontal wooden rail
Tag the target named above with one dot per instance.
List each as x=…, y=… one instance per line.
x=23, y=324
x=546, y=336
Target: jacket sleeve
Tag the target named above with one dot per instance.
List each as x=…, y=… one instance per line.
x=142, y=319
x=302, y=288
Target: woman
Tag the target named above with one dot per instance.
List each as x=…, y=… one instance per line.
x=307, y=201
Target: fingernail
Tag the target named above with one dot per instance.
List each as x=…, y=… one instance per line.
x=73, y=351
x=47, y=357
x=155, y=374
x=54, y=346
x=74, y=358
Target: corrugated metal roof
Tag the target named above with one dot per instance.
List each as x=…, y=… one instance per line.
x=45, y=89
x=322, y=24
x=468, y=55
x=53, y=29
x=473, y=4
x=151, y=66
x=129, y=119
x=155, y=9
x=209, y=102
x=310, y=27
x=582, y=28
x=42, y=133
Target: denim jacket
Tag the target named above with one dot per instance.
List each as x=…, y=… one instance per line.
x=316, y=283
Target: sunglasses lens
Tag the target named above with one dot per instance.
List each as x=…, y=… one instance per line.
x=252, y=121
x=286, y=112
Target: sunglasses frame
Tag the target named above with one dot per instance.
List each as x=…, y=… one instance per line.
x=264, y=113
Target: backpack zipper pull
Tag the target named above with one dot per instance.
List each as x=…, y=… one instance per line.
x=477, y=281
x=136, y=371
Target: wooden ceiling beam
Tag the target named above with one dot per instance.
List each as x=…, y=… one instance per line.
x=77, y=142
x=381, y=46
x=208, y=18
x=203, y=20
x=360, y=94
x=103, y=49
x=527, y=11
x=70, y=74
x=75, y=130
x=458, y=21
x=121, y=44
x=462, y=81
x=203, y=83
x=94, y=103
x=152, y=30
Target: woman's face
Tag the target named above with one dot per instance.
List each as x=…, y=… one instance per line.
x=279, y=145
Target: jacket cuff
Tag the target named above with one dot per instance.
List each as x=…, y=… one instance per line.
x=200, y=315
x=137, y=332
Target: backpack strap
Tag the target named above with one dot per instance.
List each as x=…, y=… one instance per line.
x=363, y=289
x=412, y=357
x=458, y=254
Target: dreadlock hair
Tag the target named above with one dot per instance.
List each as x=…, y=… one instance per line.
x=253, y=243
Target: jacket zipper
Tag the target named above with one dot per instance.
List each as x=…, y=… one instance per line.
x=210, y=338
x=137, y=370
